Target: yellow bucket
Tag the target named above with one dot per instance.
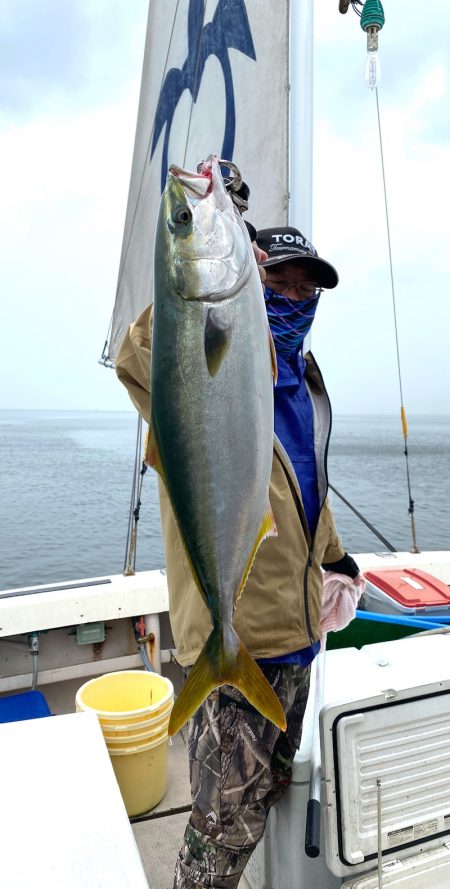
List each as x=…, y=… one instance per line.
x=133, y=708
x=141, y=774
x=136, y=724
x=130, y=739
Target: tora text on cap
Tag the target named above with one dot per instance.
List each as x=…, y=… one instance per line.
x=294, y=239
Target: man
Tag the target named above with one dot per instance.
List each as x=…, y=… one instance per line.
x=240, y=763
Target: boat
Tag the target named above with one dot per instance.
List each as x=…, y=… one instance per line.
x=57, y=636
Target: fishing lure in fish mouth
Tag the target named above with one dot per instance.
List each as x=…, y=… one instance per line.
x=211, y=439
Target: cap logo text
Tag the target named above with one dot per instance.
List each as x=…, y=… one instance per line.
x=293, y=239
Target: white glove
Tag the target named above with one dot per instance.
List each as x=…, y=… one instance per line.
x=340, y=598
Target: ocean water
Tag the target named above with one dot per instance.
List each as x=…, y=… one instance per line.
x=66, y=483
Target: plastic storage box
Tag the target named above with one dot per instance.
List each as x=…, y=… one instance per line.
x=27, y=705
x=406, y=591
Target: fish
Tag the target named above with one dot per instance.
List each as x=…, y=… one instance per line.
x=211, y=425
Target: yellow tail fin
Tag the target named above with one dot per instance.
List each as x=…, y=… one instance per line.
x=243, y=674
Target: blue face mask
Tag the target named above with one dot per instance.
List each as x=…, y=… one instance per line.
x=290, y=321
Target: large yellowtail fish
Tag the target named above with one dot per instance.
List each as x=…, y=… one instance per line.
x=211, y=434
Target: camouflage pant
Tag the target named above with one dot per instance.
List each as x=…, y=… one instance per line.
x=240, y=764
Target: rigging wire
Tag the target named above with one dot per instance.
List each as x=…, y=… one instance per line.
x=194, y=86
x=129, y=566
x=414, y=548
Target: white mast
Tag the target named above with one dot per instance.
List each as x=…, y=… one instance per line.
x=300, y=115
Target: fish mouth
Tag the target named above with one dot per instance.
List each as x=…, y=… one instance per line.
x=196, y=185
x=200, y=184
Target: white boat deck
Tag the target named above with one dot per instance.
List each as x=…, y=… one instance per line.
x=159, y=833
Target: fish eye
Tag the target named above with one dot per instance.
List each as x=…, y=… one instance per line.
x=182, y=215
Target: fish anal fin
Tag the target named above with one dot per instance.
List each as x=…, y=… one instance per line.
x=217, y=339
x=191, y=565
x=213, y=669
x=152, y=457
x=267, y=528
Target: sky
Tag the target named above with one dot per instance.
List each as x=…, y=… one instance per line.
x=69, y=84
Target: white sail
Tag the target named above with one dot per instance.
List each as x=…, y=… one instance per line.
x=216, y=80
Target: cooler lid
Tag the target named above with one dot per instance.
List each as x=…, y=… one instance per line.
x=430, y=868
x=411, y=587
x=393, y=760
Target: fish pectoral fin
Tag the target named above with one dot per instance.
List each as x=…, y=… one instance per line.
x=210, y=671
x=217, y=339
x=268, y=528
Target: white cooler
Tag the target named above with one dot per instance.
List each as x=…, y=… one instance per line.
x=386, y=715
x=385, y=739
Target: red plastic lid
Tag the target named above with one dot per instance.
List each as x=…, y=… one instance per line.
x=411, y=587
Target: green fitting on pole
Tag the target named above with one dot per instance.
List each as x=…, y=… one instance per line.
x=372, y=15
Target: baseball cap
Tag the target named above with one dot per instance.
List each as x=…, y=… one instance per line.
x=287, y=244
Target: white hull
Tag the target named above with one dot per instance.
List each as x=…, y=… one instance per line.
x=56, y=610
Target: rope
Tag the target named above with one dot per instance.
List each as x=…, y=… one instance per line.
x=365, y=521
x=415, y=548
x=129, y=566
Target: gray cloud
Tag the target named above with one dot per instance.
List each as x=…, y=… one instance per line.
x=63, y=54
x=41, y=48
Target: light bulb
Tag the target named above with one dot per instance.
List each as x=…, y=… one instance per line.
x=372, y=71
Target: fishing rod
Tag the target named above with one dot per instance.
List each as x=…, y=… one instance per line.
x=364, y=520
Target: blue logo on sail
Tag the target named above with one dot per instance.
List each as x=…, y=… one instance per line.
x=229, y=29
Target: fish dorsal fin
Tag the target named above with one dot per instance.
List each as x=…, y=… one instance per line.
x=268, y=528
x=273, y=357
x=217, y=339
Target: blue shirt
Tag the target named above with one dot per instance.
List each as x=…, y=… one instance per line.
x=294, y=426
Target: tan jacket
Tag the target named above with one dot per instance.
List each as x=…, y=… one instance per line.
x=279, y=610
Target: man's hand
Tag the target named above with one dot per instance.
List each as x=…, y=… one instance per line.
x=260, y=256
